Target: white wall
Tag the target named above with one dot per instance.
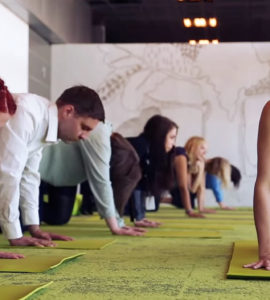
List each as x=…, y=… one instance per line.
x=216, y=91
x=13, y=51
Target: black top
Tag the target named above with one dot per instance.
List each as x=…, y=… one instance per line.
x=180, y=151
x=141, y=145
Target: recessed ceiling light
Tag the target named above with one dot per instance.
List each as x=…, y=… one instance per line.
x=212, y=22
x=187, y=22
x=199, y=22
x=203, y=42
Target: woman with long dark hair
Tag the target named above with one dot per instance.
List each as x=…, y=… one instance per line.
x=156, y=149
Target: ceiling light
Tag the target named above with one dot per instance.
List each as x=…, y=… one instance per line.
x=187, y=22
x=195, y=1
x=200, y=22
x=212, y=22
x=192, y=42
x=203, y=42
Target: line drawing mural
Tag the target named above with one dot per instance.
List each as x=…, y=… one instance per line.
x=216, y=91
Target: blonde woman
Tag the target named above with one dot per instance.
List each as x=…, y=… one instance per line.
x=219, y=174
x=196, y=148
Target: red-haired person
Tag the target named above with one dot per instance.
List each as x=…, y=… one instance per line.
x=7, y=110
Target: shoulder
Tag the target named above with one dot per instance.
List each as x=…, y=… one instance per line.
x=102, y=130
x=140, y=144
x=180, y=151
x=98, y=140
x=32, y=103
x=24, y=99
x=212, y=179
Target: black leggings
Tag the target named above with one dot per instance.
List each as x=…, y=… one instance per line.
x=59, y=208
x=176, y=198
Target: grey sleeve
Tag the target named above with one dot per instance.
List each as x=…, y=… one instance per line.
x=96, y=154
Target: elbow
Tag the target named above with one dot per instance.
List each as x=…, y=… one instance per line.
x=193, y=190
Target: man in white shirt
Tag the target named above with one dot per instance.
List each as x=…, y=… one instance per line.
x=38, y=122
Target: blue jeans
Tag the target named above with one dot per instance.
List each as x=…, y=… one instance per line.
x=139, y=204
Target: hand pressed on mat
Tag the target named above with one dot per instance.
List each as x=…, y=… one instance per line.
x=262, y=263
x=11, y=255
x=30, y=241
x=128, y=230
x=193, y=214
x=36, y=232
x=146, y=223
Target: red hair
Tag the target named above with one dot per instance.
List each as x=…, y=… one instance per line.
x=7, y=103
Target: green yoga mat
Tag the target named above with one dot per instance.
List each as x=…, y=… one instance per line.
x=196, y=226
x=245, y=252
x=205, y=221
x=208, y=216
x=84, y=231
x=182, y=234
x=34, y=264
x=83, y=219
x=87, y=244
x=20, y=292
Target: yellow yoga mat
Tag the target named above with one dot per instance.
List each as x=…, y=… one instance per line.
x=78, y=231
x=205, y=221
x=245, y=252
x=218, y=212
x=76, y=225
x=87, y=244
x=209, y=216
x=33, y=264
x=183, y=234
x=83, y=219
x=20, y=292
x=196, y=226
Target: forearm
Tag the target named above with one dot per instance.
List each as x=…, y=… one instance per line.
x=201, y=197
x=9, y=208
x=186, y=198
x=261, y=215
x=196, y=182
x=29, y=190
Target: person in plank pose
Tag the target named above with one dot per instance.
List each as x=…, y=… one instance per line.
x=262, y=192
x=36, y=123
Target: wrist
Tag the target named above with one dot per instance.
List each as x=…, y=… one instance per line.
x=114, y=229
x=33, y=229
x=189, y=211
x=12, y=242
